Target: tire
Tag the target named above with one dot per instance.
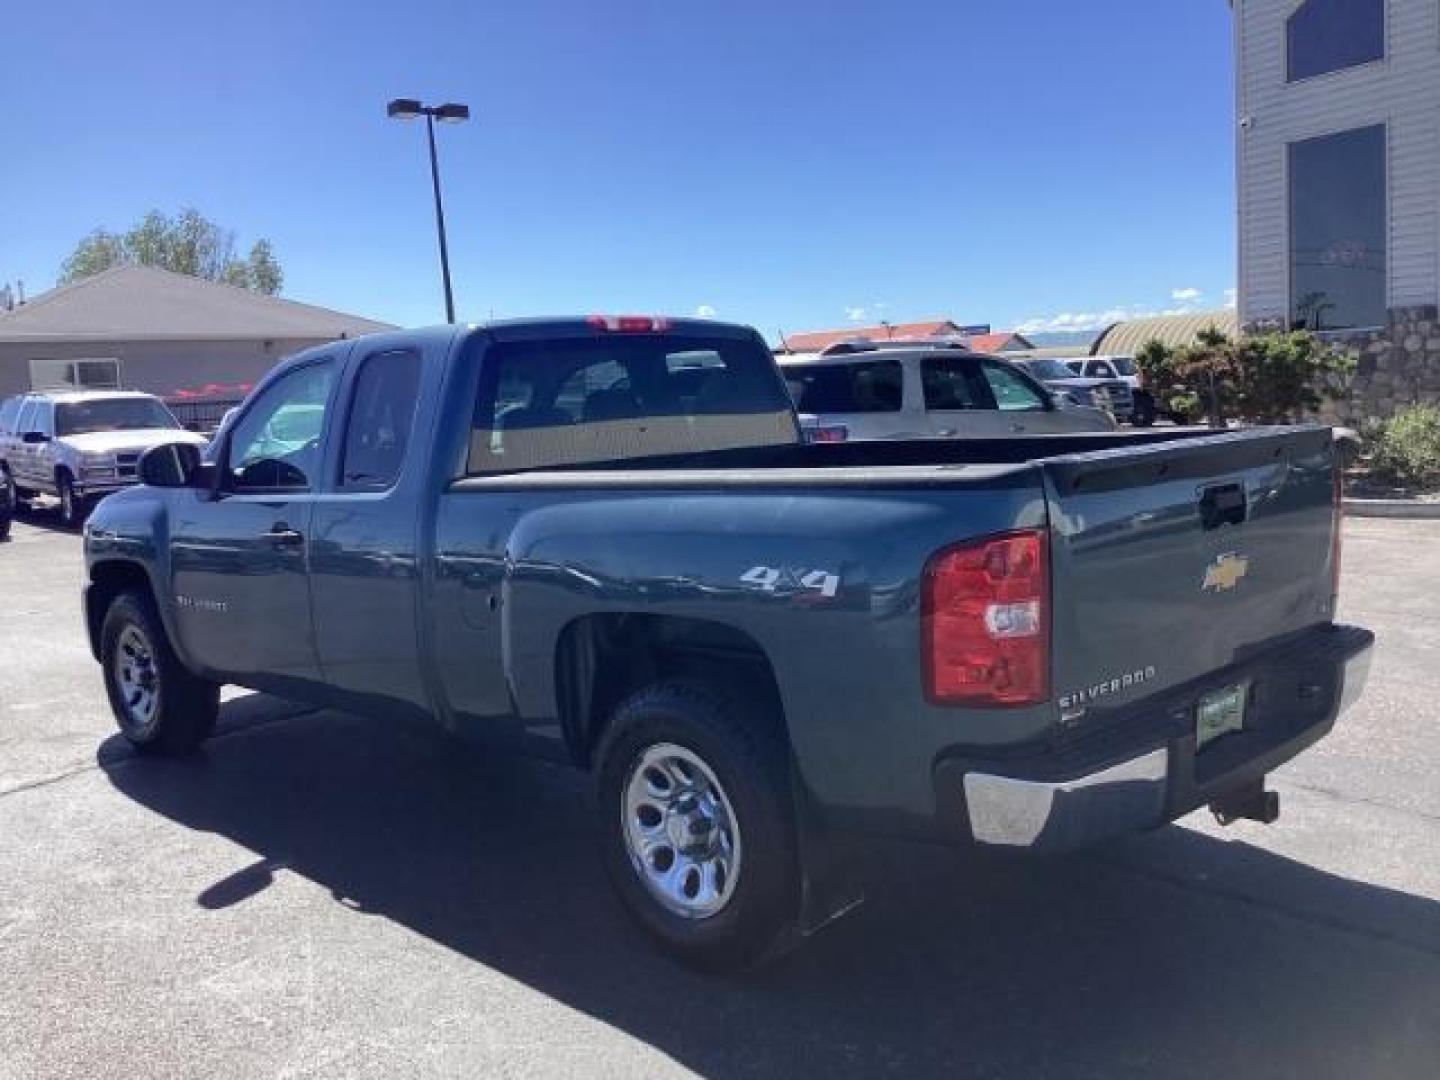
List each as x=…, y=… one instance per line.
x=73, y=507
x=1144, y=414
x=159, y=706
x=9, y=493
x=746, y=879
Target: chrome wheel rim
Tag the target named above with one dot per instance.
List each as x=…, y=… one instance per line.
x=137, y=681
x=680, y=831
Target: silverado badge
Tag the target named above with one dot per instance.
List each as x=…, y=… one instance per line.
x=1225, y=572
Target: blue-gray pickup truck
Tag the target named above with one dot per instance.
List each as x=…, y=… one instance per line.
x=604, y=541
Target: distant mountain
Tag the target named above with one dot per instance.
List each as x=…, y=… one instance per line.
x=1064, y=339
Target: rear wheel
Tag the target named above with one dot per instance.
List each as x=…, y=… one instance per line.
x=697, y=824
x=158, y=704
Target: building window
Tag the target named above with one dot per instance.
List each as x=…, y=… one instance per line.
x=1338, y=230
x=103, y=374
x=1331, y=35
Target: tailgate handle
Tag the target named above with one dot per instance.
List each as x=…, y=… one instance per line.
x=1222, y=504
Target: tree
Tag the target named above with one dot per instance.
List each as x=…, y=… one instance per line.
x=188, y=243
x=1266, y=378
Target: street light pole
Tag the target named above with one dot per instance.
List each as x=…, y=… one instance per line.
x=410, y=109
x=440, y=220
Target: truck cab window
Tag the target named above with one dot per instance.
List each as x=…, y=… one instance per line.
x=382, y=414
x=581, y=401
x=275, y=445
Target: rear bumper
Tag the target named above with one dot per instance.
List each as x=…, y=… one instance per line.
x=1142, y=769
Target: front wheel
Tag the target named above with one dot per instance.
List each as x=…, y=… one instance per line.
x=72, y=505
x=697, y=823
x=1144, y=414
x=158, y=704
x=8, y=501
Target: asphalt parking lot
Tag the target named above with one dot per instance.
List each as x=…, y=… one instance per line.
x=318, y=895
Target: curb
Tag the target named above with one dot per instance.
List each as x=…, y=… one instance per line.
x=1392, y=508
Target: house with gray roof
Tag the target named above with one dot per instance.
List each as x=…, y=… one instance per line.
x=173, y=335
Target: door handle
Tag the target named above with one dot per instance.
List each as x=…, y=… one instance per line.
x=282, y=536
x=947, y=432
x=1017, y=427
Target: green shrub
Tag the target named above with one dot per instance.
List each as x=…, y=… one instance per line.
x=1408, y=448
x=1266, y=379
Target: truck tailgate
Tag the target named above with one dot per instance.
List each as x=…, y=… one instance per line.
x=1174, y=560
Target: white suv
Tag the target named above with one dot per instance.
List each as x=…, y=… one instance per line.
x=920, y=391
x=79, y=445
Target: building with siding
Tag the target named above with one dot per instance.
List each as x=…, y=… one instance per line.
x=173, y=335
x=1338, y=159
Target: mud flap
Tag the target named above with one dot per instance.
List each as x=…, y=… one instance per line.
x=830, y=882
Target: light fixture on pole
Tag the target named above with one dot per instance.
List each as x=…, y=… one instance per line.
x=449, y=113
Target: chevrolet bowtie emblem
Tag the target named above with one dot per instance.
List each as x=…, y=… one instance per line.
x=1225, y=572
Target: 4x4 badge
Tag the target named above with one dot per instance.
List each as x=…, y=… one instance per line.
x=1225, y=572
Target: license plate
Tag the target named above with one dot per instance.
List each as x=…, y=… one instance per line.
x=1219, y=713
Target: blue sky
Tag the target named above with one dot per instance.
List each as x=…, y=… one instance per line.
x=786, y=164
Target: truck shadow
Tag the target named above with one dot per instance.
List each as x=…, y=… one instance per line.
x=1176, y=954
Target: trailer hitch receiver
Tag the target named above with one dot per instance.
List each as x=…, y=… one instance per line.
x=1250, y=801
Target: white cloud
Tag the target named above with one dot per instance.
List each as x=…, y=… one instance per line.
x=855, y=314
x=705, y=311
x=1186, y=296
x=1230, y=299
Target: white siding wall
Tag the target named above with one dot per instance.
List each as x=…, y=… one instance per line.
x=1402, y=92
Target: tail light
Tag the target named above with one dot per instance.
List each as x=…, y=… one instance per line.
x=986, y=622
x=629, y=324
x=827, y=433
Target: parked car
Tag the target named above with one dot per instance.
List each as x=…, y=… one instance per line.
x=79, y=445
x=1125, y=369
x=1112, y=395
x=553, y=537
x=920, y=391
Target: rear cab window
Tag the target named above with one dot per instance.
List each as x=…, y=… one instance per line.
x=872, y=386
x=9, y=414
x=382, y=417
x=576, y=401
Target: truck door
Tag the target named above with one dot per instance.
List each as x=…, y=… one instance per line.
x=21, y=452
x=239, y=561
x=364, y=571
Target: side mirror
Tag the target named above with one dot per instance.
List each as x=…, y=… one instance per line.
x=174, y=465
x=34, y=437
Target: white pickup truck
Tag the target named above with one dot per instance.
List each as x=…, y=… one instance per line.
x=79, y=445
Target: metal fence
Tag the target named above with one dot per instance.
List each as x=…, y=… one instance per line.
x=202, y=416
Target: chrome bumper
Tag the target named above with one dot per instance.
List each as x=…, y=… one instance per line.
x=1130, y=796
x=1013, y=813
